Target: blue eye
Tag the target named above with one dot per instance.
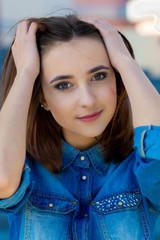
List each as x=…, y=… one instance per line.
x=63, y=86
x=100, y=76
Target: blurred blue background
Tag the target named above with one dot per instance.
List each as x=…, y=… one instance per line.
x=140, y=32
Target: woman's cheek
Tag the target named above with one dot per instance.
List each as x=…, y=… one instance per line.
x=107, y=92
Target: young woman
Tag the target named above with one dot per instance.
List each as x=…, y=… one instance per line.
x=70, y=166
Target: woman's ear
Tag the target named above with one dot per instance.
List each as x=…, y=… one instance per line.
x=45, y=106
x=43, y=103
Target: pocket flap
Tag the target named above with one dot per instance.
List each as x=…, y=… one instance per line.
x=52, y=203
x=119, y=202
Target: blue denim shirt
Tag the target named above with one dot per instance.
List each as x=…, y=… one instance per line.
x=90, y=199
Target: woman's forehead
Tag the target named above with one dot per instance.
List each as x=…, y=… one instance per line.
x=77, y=51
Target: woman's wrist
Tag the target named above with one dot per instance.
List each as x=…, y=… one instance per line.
x=25, y=76
x=126, y=64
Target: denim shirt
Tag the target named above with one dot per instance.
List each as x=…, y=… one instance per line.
x=90, y=199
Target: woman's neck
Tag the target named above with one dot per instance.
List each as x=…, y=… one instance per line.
x=80, y=143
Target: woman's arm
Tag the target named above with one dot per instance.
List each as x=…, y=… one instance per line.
x=144, y=99
x=13, y=115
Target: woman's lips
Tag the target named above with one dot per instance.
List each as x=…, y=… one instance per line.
x=90, y=117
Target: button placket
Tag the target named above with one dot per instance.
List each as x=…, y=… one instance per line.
x=84, y=195
x=82, y=161
x=84, y=187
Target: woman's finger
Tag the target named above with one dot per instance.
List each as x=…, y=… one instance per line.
x=22, y=28
x=97, y=22
x=33, y=28
x=103, y=26
x=114, y=43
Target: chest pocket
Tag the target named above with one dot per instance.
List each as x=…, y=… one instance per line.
x=52, y=203
x=119, y=202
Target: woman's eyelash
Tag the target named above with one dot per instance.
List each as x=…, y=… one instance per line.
x=66, y=85
x=100, y=76
x=63, y=85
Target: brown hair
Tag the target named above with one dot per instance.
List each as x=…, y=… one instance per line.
x=43, y=132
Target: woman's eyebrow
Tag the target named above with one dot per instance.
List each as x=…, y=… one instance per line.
x=62, y=77
x=95, y=69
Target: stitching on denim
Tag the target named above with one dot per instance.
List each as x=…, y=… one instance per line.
x=46, y=207
x=87, y=234
x=69, y=225
x=70, y=161
x=33, y=193
x=105, y=226
x=154, y=211
x=68, y=229
x=79, y=186
x=27, y=221
x=99, y=171
x=76, y=230
x=54, y=197
x=142, y=140
x=92, y=156
x=88, y=186
x=101, y=226
x=142, y=221
x=141, y=208
x=146, y=222
x=84, y=228
x=74, y=153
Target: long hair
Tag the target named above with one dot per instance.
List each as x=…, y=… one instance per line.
x=43, y=132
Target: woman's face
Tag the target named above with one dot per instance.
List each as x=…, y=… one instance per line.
x=77, y=81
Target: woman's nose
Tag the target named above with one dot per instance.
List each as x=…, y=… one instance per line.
x=87, y=97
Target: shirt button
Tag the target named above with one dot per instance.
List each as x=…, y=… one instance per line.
x=82, y=158
x=50, y=205
x=84, y=177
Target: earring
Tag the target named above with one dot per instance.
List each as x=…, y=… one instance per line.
x=42, y=106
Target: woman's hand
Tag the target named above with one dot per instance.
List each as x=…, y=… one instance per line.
x=117, y=50
x=144, y=99
x=24, y=50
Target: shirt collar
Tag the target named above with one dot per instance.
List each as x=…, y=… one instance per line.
x=95, y=156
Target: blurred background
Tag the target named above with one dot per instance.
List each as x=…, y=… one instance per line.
x=134, y=18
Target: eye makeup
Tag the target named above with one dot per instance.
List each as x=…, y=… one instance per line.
x=62, y=77
x=65, y=85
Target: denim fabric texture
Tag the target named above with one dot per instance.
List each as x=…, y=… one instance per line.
x=90, y=199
